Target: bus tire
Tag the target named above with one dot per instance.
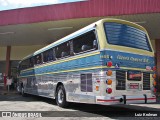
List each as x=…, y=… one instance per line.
x=61, y=96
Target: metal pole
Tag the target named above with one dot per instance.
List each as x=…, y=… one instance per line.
x=8, y=88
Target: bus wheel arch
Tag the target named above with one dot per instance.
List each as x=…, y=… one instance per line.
x=60, y=95
x=58, y=84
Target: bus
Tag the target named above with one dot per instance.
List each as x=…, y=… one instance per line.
x=110, y=61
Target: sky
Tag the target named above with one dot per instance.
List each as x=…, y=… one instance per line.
x=14, y=4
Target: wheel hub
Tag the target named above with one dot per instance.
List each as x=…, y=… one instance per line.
x=60, y=96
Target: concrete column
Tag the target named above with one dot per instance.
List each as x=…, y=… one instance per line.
x=157, y=53
x=8, y=60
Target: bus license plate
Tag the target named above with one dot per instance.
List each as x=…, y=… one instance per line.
x=134, y=85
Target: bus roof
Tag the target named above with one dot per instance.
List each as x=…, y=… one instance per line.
x=62, y=40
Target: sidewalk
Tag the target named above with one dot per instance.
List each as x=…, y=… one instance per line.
x=6, y=92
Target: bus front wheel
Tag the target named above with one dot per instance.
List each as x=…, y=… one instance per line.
x=61, y=96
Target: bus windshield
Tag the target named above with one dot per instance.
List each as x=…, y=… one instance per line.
x=126, y=35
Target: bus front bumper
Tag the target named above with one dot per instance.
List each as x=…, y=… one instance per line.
x=125, y=99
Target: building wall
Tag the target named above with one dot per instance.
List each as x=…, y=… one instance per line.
x=2, y=59
x=2, y=66
x=157, y=44
x=17, y=53
x=3, y=53
x=153, y=45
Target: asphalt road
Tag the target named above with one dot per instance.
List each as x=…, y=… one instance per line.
x=48, y=108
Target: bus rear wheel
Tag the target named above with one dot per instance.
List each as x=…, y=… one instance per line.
x=61, y=96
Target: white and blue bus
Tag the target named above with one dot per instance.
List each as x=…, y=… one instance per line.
x=108, y=62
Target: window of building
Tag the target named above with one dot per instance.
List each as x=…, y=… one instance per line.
x=48, y=55
x=63, y=50
x=85, y=42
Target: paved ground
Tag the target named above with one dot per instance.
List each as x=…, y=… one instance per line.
x=12, y=101
x=15, y=102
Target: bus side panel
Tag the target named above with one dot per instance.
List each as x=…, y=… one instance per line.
x=43, y=80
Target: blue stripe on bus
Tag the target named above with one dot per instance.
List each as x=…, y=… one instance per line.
x=73, y=64
x=118, y=58
x=128, y=59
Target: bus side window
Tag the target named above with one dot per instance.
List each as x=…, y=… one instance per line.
x=31, y=62
x=71, y=48
x=85, y=47
x=48, y=55
x=85, y=42
x=38, y=59
x=63, y=54
x=24, y=64
x=63, y=50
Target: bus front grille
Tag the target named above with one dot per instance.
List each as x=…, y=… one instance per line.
x=120, y=80
x=146, y=81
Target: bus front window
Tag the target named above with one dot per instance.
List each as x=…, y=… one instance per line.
x=126, y=35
